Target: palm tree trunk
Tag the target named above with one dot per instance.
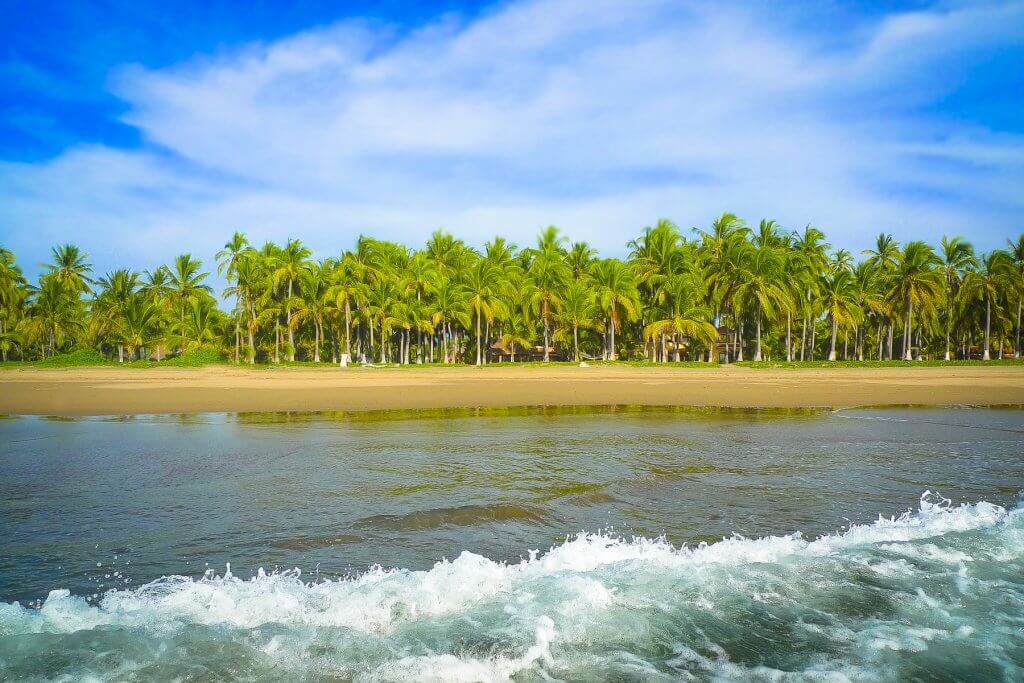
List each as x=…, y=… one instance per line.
x=711, y=346
x=988, y=319
x=803, y=336
x=757, y=348
x=348, y=328
x=814, y=334
x=675, y=341
x=1016, y=343
x=789, y=340
x=478, y=354
x=906, y=329
x=120, y=353
x=575, y=343
x=611, y=338
x=949, y=325
x=545, y=312
x=291, y=332
x=832, y=345
x=892, y=326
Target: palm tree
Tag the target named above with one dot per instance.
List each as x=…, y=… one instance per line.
x=139, y=324
x=984, y=283
x=812, y=261
x=578, y=310
x=13, y=292
x=760, y=276
x=201, y=324
x=579, y=259
x=291, y=261
x=449, y=305
x=957, y=256
x=483, y=284
x=186, y=281
x=688, y=316
x=884, y=258
x=549, y=273
x=117, y=291
x=918, y=283
x=345, y=289
x=54, y=314
x=839, y=299
x=70, y=269
x=617, y=296
x=313, y=304
x=228, y=259
x=1017, y=283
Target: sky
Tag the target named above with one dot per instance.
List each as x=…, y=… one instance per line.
x=140, y=130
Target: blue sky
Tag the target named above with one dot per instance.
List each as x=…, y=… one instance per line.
x=140, y=129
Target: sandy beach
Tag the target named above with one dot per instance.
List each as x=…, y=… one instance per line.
x=110, y=391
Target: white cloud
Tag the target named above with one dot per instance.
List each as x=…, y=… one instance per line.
x=596, y=116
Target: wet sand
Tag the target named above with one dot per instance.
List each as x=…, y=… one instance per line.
x=117, y=391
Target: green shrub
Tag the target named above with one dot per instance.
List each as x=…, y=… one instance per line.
x=73, y=358
x=195, y=358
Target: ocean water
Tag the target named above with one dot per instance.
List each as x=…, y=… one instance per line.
x=627, y=545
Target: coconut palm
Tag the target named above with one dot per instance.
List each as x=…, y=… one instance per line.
x=760, y=281
x=449, y=306
x=811, y=263
x=117, y=290
x=617, y=297
x=54, y=314
x=139, y=324
x=577, y=311
x=201, y=324
x=984, y=283
x=688, y=316
x=313, y=304
x=13, y=292
x=289, y=264
x=918, y=284
x=839, y=300
x=70, y=269
x=957, y=256
x=549, y=273
x=1016, y=277
x=483, y=286
x=228, y=258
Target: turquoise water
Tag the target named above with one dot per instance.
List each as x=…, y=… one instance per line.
x=536, y=545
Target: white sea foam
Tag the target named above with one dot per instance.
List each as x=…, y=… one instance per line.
x=562, y=597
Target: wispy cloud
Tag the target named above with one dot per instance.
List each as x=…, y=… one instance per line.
x=596, y=116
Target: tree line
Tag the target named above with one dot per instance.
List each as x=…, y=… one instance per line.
x=730, y=292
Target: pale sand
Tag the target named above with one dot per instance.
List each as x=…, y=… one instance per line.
x=116, y=391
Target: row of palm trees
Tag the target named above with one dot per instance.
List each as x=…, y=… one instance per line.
x=726, y=293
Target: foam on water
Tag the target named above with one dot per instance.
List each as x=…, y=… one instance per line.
x=931, y=590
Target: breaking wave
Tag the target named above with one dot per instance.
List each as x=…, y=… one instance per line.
x=933, y=593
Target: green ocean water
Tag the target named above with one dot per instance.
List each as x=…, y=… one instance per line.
x=515, y=545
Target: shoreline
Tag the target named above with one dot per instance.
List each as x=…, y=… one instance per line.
x=231, y=389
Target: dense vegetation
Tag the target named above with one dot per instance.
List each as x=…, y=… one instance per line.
x=728, y=293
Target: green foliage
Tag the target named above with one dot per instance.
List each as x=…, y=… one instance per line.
x=75, y=358
x=727, y=293
x=196, y=358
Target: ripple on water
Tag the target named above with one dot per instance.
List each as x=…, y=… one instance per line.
x=463, y=515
